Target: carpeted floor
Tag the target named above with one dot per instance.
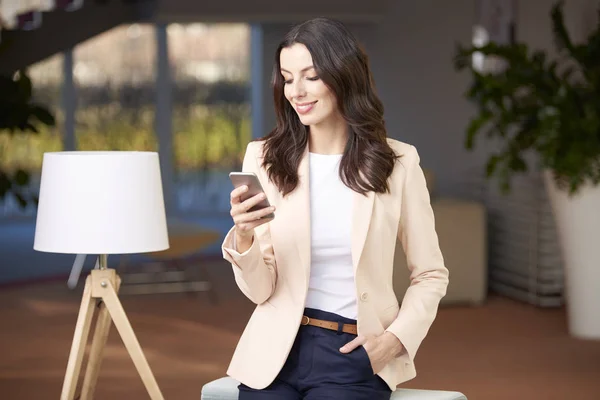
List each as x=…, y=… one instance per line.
x=502, y=350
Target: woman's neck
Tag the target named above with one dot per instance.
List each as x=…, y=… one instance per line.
x=328, y=137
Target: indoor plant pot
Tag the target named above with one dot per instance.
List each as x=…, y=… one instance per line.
x=577, y=218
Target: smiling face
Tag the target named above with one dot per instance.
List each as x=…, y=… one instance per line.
x=313, y=101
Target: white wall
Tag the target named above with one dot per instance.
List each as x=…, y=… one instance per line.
x=534, y=25
x=422, y=92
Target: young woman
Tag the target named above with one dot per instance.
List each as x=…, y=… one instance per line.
x=327, y=323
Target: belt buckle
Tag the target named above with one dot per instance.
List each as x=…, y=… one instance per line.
x=305, y=320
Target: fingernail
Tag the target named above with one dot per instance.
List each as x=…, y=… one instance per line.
x=342, y=349
x=262, y=196
x=244, y=188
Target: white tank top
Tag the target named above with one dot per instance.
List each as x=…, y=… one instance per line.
x=331, y=286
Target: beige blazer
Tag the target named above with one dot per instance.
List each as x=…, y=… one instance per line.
x=274, y=272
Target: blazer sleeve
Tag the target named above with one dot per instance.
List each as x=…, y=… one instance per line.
x=255, y=270
x=428, y=275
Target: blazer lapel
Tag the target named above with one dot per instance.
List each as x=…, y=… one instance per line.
x=361, y=219
x=299, y=205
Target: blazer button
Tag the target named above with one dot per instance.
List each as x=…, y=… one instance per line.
x=364, y=296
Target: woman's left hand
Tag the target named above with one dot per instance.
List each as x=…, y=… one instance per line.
x=381, y=349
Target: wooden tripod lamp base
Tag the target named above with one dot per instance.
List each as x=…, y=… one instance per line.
x=100, y=292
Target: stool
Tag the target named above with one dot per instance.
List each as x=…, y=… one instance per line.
x=226, y=389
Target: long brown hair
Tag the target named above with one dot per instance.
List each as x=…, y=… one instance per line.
x=343, y=66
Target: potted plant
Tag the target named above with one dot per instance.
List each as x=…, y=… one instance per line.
x=549, y=107
x=19, y=115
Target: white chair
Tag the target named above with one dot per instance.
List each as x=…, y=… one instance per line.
x=226, y=389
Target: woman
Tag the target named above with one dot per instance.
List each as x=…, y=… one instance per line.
x=327, y=323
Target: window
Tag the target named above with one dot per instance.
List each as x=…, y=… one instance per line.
x=115, y=93
x=115, y=77
x=211, y=111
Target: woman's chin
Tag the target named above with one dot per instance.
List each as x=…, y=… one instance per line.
x=308, y=120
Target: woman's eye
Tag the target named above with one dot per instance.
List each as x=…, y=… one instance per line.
x=313, y=78
x=287, y=82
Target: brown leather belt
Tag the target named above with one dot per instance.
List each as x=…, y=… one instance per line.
x=347, y=328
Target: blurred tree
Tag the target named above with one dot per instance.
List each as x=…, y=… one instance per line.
x=19, y=115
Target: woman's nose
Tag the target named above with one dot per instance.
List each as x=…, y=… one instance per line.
x=298, y=89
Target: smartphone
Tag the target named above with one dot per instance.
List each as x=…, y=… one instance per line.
x=254, y=187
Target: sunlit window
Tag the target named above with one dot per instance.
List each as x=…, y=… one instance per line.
x=211, y=110
x=115, y=78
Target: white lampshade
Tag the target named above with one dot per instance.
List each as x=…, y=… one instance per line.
x=101, y=203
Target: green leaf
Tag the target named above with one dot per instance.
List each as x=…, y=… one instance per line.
x=24, y=87
x=518, y=164
x=43, y=115
x=21, y=178
x=29, y=127
x=5, y=184
x=492, y=165
x=17, y=113
x=505, y=185
x=474, y=126
x=562, y=39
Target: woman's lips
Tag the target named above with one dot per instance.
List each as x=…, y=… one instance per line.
x=305, y=108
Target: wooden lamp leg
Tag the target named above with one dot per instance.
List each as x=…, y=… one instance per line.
x=92, y=370
x=103, y=284
x=105, y=289
x=82, y=329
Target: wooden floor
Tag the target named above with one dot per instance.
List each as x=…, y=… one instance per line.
x=500, y=351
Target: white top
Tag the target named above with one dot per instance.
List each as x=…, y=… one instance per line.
x=331, y=286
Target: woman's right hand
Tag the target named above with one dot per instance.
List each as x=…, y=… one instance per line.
x=245, y=221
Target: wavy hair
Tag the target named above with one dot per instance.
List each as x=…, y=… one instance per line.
x=343, y=66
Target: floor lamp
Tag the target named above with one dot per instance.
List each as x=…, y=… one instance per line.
x=101, y=203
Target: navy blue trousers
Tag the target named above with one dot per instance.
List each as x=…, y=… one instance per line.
x=317, y=370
